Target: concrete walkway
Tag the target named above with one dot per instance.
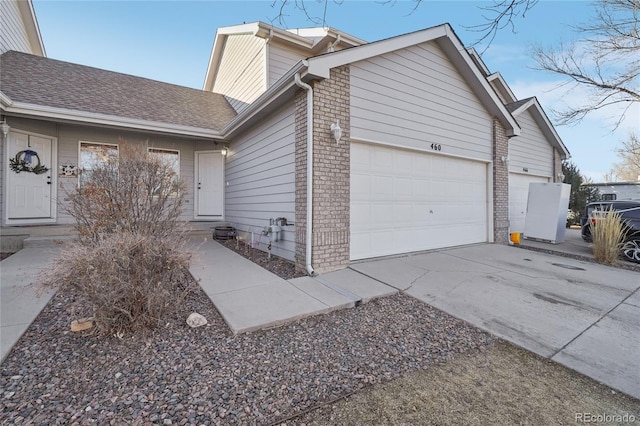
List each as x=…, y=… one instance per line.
x=21, y=296
x=580, y=314
x=249, y=297
x=583, y=315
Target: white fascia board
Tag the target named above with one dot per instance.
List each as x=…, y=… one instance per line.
x=280, y=87
x=5, y=101
x=547, y=128
x=32, y=110
x=477, y=80
x=31, y=26
x=524, y=107
x=497, y=79
x=478, y=60
x=321, y=65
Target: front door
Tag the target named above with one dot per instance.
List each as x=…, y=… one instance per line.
x=209, y=184
x=29, y=184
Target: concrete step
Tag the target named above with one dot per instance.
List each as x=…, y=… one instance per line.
x=51, y=241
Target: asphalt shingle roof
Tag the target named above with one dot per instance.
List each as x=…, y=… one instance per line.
x=48, y=82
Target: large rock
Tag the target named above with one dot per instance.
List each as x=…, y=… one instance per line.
x=81, y=324
x=196, y=320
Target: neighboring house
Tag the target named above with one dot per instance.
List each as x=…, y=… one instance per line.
x=617, y=190
x=427, y=148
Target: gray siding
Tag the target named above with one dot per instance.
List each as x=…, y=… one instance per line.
x=415, y=97
x=242, y=72
x=531, y=150
x=280, y=60
x=69, y=137
x=13, y=35
x=260, y=175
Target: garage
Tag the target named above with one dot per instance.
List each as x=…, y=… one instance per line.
x=518, y=194
x=403, y=201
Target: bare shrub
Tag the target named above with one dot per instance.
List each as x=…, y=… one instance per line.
x=134, y=192
x=131, y=280
x=607, y=233
x=130, y=262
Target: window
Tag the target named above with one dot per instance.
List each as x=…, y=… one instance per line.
x=171, y=159
x=92, y=154
x=608, y=197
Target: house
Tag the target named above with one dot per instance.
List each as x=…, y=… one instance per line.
x=316, y=145
x=617, y=190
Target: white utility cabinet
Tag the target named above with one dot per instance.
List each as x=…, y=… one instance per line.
x=546, y=216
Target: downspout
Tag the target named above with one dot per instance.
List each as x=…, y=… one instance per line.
x=309, y=234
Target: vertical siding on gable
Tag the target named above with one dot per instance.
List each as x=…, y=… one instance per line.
x=13, y=35
x=280, y=60
x=531, y=150
x=241, y=75
x=260, y=176
x=415, y=97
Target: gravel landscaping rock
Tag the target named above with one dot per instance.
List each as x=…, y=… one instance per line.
x=205, y=375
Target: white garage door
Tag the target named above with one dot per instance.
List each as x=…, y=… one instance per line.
x=518, y=194
x=404, y=201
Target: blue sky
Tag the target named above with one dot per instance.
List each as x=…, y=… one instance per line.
x=171, y=41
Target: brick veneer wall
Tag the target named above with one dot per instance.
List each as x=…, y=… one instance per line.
x=331, y=174
x=500, y=184
x=557, y=166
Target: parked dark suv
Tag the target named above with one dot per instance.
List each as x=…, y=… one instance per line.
x=630, y=214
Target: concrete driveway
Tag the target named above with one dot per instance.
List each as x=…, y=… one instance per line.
x=583, y=315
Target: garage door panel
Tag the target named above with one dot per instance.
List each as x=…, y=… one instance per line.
x=435, y=201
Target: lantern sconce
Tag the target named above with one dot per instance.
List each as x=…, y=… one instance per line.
x=337, y=131
x=4, y=128
x=224, y=151
x=505, y=160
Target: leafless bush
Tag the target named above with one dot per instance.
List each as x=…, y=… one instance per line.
x=131, y=280
x=129, y=263
x=135, y=192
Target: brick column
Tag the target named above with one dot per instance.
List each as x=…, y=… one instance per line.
x=331, y=174
x=557, y=166
x=500, y=184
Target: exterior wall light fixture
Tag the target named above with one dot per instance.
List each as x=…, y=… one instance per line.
x=4, y=128
x=337, y=131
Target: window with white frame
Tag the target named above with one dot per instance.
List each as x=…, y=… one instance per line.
x=93, y=154
x=171, y=159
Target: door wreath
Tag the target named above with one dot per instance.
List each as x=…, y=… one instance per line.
x=22, y=162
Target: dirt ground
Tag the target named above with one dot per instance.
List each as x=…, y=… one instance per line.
x=503, y=385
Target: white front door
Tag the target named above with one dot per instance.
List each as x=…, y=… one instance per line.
x=29, y=194
x=209, y=184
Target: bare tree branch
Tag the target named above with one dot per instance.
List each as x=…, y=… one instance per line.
x=605, y=62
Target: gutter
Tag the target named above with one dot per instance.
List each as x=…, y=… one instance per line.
x=309, y=233
x=63, y=114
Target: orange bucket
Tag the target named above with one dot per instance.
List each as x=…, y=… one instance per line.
x=515, y=237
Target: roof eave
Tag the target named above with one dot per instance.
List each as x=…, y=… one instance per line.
x=31, y=26
x=545, y=124
x=446, y=38
x=74, y=116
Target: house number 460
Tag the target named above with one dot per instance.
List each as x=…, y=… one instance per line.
x=436, y=147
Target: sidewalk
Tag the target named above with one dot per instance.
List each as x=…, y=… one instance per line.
x=21, y=298
x=249, y=297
